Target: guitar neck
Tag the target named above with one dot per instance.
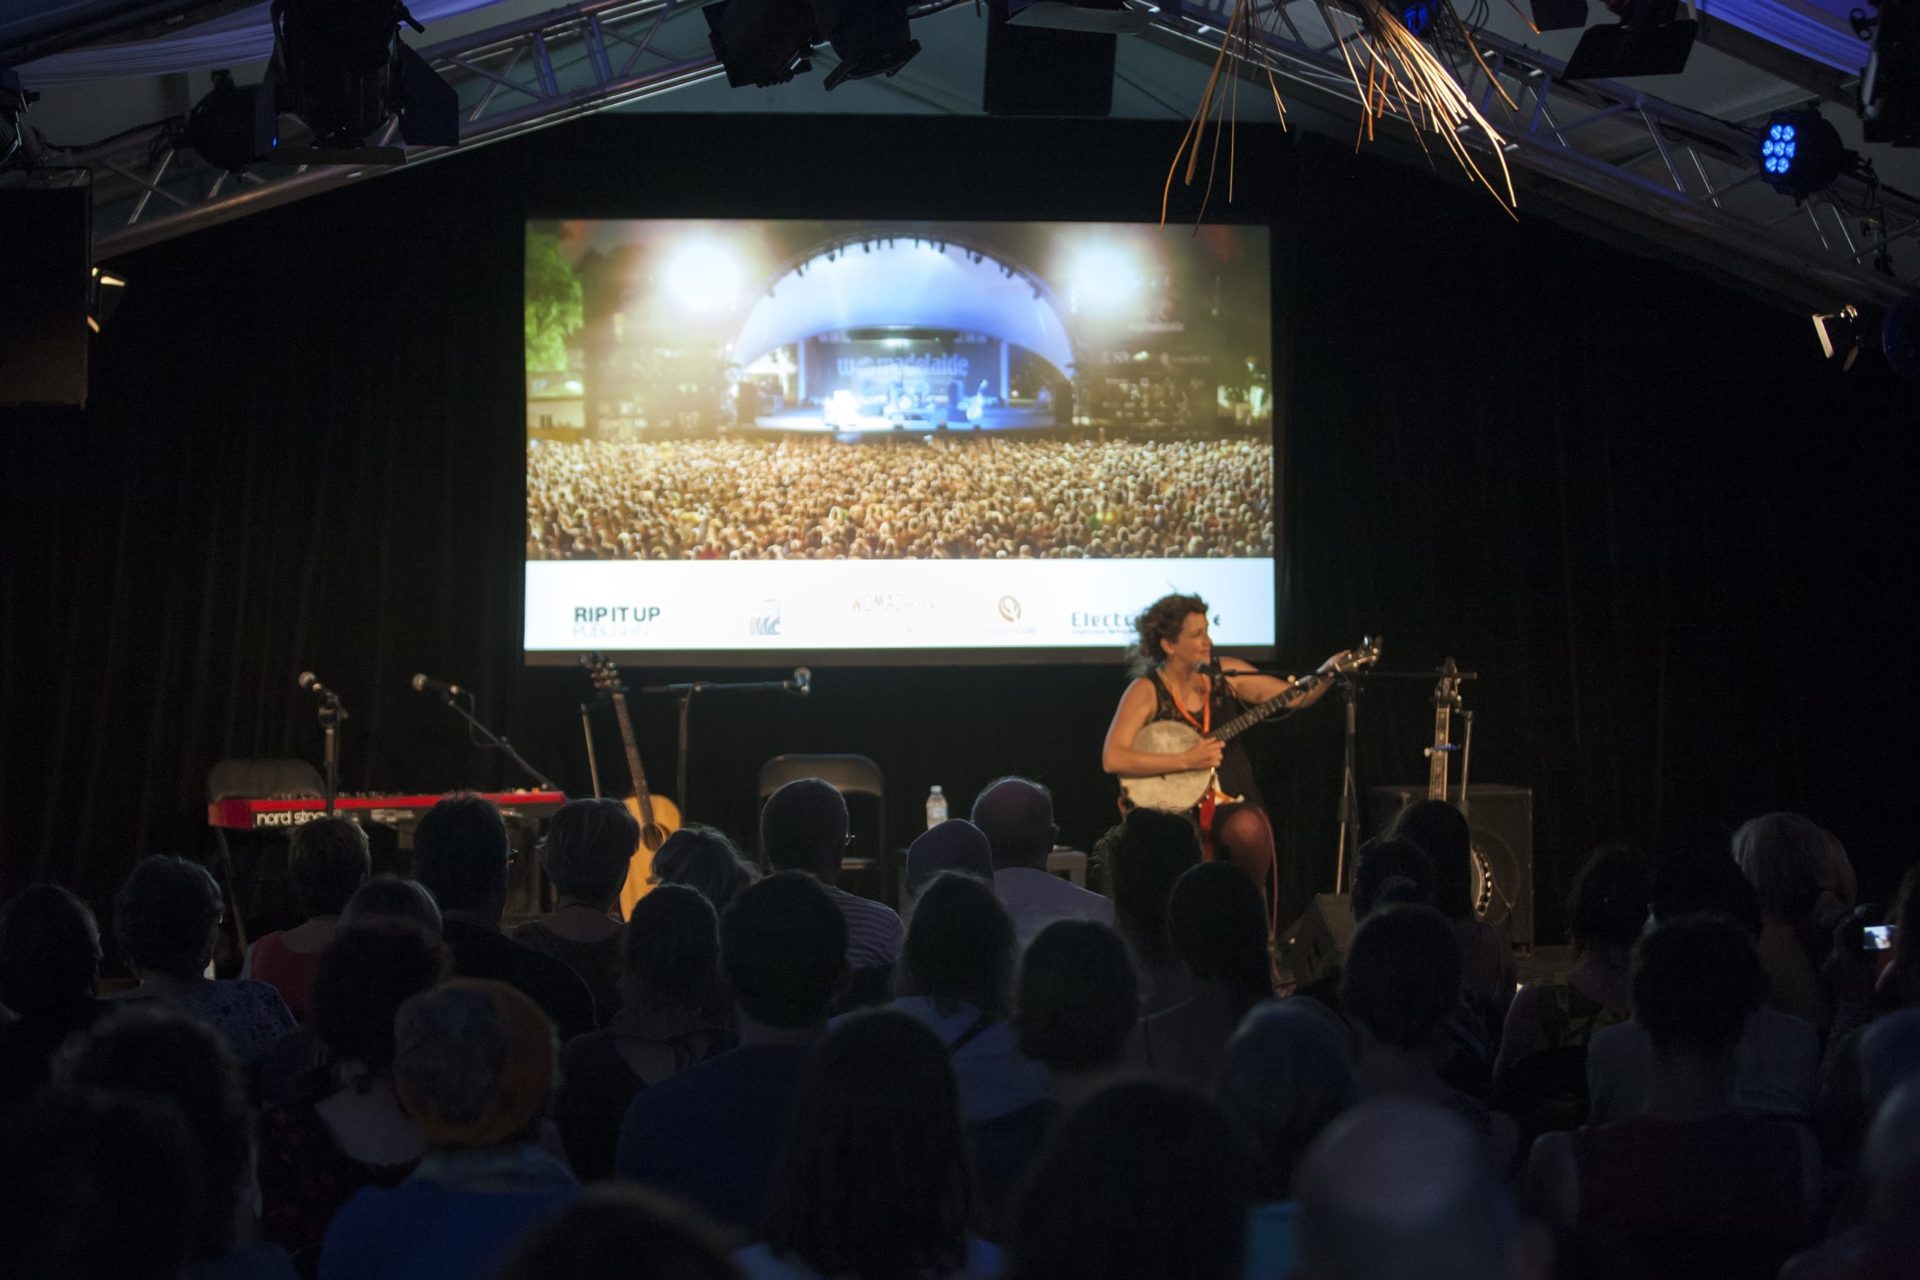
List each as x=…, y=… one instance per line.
x=1261, y=710
x=1437, y=758
x=633, y=758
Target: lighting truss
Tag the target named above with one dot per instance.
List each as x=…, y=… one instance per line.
x=1677, y=174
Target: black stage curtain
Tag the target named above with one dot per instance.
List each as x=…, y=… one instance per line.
x=1671, y=540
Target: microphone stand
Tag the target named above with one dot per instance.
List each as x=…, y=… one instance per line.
x=497, y=742
x=685, y=691
x=331, y=713
x=1349, y=785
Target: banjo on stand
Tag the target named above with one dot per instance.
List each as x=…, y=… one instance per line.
x=1185, y=790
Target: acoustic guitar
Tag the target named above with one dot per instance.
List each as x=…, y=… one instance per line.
x=657, y=815
x=1182, y=790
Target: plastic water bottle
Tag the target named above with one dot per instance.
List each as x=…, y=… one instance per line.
x=936, y=808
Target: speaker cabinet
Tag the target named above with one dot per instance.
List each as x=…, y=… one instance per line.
x=43, y=318
x=1501, y=820
x=1313, y=946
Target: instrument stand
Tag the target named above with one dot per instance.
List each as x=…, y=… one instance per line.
x=1349, y=786
x=684, y=693
x=331, y=714
x=593, y=758
x=497, y=742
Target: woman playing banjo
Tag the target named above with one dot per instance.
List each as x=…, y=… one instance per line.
x=1172, y=648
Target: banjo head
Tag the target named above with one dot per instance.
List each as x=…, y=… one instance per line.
x=1171, y=792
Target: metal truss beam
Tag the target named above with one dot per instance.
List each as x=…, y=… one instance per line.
x=511, y=79
x=1670, y=168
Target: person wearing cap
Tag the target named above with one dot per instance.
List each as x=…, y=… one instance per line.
x=474, y=1067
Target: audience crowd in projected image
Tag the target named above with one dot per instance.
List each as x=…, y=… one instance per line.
x=960, y=499
x=762, y=1073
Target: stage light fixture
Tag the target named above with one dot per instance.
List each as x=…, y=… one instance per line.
x=1559, y=15
x=1841, y=334
x=768, y=42
x=1651, y=39
x=1890, y=85
x=340, y=67
x=1800, y=153
x=230, y=127
x=104, y=291
x=1890, y=334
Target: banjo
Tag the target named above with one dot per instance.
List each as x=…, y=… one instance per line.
x=1180, y=791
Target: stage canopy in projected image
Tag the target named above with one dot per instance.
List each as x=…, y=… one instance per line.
x=763, y=441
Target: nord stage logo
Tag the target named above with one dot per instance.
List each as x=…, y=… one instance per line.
x=615, y=620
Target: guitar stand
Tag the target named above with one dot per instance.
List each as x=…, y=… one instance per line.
x=1349, y=786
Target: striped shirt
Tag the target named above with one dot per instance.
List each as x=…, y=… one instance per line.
x=874, y=931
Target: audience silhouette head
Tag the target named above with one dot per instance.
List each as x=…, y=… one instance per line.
x=670, y=951
x=1016, y=816
x=1287, y=1073
x=960, y=947
x=327, y=860
x=165, y=917
x=587, y=848
x=953, y=845
x=158, y=1054
x=392, y=898
x=1399, y=1189
x=473, y=1064
x=1140, y=1182
x=1440, y=831
x=706, y=860
x=873, y=1180
x=804, y=828
x=461, y=854
x=1078, y=997
x=783, y=949
x=1388, y=872
x=49, y=952
x=1402, y=978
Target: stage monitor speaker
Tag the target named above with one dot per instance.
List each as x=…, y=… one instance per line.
x=1045, y=71
x=1501, y=819
x=43, y=302
x=1314, y=944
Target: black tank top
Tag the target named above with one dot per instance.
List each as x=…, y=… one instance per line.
x=1236, y=771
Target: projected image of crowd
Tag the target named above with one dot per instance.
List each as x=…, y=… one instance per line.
x=964, y=499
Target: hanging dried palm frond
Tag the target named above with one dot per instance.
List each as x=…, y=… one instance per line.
x=1393, y=70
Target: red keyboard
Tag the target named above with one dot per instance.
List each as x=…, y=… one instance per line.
x=246, y=814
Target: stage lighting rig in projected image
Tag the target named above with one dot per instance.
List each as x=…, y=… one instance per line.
x=1104, y=281
x=768, y=42
x=703, y=274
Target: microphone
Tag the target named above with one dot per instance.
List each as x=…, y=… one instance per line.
x=1208, y=668
x=427, y=684
x=311, y=683
x=802, y=683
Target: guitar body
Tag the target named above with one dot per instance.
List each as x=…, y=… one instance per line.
x=1176, y=792
x=666, y=821
x=658, y=816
